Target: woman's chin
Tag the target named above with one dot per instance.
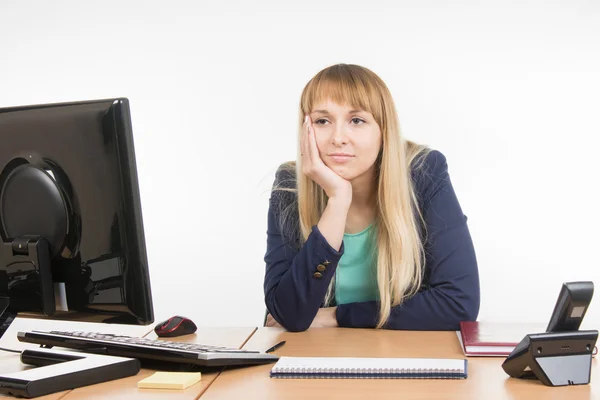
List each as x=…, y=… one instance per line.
x=343, y=171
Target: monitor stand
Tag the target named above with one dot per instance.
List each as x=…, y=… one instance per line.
x=25, y=270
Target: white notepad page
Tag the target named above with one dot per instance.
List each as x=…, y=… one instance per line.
x=348, y=364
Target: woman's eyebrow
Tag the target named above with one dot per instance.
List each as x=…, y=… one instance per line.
x=327, y=112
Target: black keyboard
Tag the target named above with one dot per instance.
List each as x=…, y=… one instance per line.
x=147, y=349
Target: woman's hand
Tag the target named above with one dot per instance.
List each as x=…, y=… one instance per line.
x=313, y=166
x=271, y=323
x=325, y=318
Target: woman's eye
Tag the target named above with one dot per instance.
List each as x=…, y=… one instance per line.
x=321, y=121
x=356, y=121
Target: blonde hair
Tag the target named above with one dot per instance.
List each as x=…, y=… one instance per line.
x=400, y=252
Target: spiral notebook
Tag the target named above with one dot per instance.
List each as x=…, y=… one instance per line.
x=388, y=368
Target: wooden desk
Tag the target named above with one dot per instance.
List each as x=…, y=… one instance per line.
x=486, y=380
x=127, y=388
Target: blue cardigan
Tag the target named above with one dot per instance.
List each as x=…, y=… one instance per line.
x=450, y=291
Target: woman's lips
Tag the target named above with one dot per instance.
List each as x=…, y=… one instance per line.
x=341, y=158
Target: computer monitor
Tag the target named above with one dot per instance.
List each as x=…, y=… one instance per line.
x=571, y=306
x=71, y=225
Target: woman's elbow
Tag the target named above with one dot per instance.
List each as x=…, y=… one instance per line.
x=466, y=310
x=297, y=326
x=291, y=323
x=468, y=301
x=471, y=304
x=472, y=311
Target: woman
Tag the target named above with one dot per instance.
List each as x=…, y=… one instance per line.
x=365, y=229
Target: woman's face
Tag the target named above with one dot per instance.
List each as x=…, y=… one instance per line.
x=349, y=140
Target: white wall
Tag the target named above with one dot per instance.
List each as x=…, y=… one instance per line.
x=510, y=93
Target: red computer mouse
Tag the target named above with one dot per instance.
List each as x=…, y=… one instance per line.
x=175, y=326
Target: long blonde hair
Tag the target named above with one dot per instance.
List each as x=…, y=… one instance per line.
x=400, y=252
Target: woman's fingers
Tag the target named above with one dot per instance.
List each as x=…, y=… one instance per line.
x=304, y=138
x=312, y=150
x=271, y=323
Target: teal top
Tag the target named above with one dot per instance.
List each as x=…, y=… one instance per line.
x=356, y=274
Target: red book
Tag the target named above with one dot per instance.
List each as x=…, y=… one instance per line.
x=495, y=339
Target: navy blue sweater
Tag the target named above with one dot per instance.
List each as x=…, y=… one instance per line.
x=450, y=290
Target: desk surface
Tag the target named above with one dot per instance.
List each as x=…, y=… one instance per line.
x=486, y=377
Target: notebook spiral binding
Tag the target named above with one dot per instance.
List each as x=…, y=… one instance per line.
x=357, y=373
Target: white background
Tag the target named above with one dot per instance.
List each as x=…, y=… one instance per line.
x=509, y=91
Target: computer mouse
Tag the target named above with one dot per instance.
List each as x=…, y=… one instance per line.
x=175, y=326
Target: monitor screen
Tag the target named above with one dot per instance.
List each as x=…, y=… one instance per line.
x=68, y=176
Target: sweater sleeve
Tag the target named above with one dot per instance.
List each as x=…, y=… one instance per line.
x=296, y=279
x=451, y=292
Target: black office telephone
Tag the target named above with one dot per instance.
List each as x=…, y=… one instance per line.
x=563, y=354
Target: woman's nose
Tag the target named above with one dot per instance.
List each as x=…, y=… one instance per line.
x=339, y=136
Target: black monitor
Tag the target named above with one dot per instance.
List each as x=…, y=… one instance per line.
x=70, y=216
x=571, y=306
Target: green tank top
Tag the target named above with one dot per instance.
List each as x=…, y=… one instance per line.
x=356, y=274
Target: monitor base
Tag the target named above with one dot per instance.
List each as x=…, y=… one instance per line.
x=24, y=271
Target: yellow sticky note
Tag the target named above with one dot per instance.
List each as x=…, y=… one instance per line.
x=169, y=380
